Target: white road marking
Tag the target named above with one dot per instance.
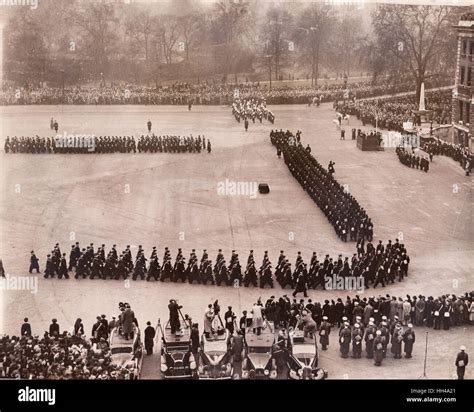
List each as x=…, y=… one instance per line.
x=422, y=211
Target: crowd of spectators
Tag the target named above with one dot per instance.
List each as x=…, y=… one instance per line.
x=391, y=112
x=57, y=356
x=201, y=94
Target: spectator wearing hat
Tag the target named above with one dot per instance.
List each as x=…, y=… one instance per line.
x=54, y=328
x=369, y=338
x=34, y=263
x=229, y=318
x=324, y=331
x=345, y=340
x=462, y=359
x=409, y=340
x=25, y=328
x=149, y=338
x=378, y=348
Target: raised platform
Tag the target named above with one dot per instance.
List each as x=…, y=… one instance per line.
x=368, y=143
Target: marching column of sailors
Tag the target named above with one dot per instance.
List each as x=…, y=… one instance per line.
x=374, y=266
x=349, y=219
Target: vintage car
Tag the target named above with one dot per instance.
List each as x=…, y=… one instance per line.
x=303, y=358
x=258, y=359
x=127, y=353
x=215, y=357
x=177, y=360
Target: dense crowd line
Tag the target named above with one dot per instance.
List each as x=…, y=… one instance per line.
x=57, y=356
x=202, y=94
x=370, y=266
x=348, y=218
x=457, y=152
x=107, y=144
x=391, y=112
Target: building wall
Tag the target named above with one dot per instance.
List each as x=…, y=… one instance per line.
x=463, y=133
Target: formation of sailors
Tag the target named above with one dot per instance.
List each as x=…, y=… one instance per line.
x=412, y=160
x=244, y=109
x=349, y=219
x=108, y=144
x=369, y=266
x=173, y=144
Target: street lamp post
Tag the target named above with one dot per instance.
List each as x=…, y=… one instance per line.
x=426, y=355
x=314, y=76
x=62, y=74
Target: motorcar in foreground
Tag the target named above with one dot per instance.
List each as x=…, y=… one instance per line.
x=215, y=359
x=303, y=357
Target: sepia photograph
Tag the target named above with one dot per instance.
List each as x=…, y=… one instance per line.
x=221, y=190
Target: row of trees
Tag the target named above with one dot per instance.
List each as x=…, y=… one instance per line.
x=79, y=41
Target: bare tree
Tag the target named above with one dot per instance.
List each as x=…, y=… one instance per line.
x=99, y=23
x=315, y=25
x=276, y=30
x=191, y=26
x=415, y=35
x=139, y=25
x=167, y=34
x=227, y=31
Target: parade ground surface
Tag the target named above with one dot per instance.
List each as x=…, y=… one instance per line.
x=173, y=200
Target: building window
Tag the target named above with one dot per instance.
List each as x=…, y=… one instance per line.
x=469, y=76
x=460, y=110
x=468, y=113
x=471, y=48
x=463, y=71
x=464, y=47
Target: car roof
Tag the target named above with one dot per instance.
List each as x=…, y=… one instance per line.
x=170, y=338
x=265, y=339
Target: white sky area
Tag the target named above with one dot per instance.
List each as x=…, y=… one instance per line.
x=335, y=2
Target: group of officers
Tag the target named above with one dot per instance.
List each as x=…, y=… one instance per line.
x=348, y=218
x=110, y=144
x=412, y=160
x=374, y=266
x=255, y=108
